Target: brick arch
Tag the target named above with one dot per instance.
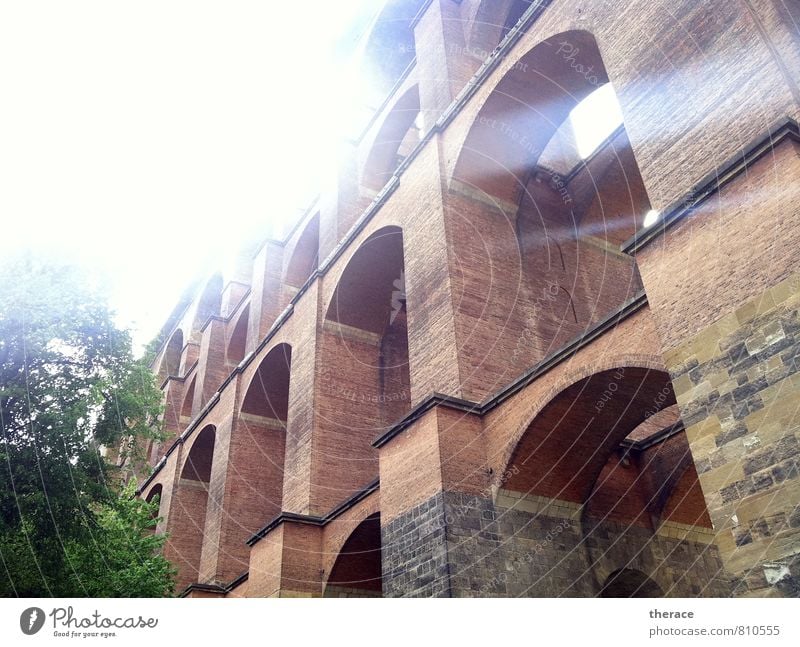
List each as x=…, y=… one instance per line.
x=258, y=446
x=684, y=501
x=393, y=142
x=633, y=485
x=156, y=487
x=491, y=22
x=267, y=393
x=362, y=297
x=171, y=358
x=358, y=565
x=237, y=344
x=653, y=362
x=363, y=348
x=388, y=49
x=156, y=490
x=571, y=462
x=209, y=303
x=564, y=279
x=305, y=256
x=198, y=455
x=667, y=475
x=342, y=527
x=524, y=110
x=186, y=524
x=334, y=275
x=188, y=399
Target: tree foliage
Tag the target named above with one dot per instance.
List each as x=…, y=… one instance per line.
x=69, y=385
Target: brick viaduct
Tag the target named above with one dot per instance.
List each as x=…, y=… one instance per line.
x=468, y=373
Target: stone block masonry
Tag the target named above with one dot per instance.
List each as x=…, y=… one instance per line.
x=738, y=387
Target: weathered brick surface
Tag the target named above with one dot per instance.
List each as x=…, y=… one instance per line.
x=501, y=262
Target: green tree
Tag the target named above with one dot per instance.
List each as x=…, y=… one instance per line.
x=114, y=566
x=70, y=386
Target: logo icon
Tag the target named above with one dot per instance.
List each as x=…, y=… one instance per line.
x=398, y=296
x=31, y=620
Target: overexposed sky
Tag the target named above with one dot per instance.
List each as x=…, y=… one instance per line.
x=147, y=139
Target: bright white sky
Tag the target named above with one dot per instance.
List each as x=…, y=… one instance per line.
x=129, y=129
x=595, y=118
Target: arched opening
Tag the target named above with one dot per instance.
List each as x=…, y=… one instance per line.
x=155, y=496
x=209, y=303
x=268, y=393
x=187, y=408
x=597, y=465
x=187, y=517
x=685, y=503
x=305, y=257
x=630, y=583
x=492, y=21
x=357, y=571
x=172, y=354
x=395, y=140
x=238, y=340
x=260, y=441
x=564, y=194
x=651, y=480
x=568, y=443
x=365, y=385
x=389, y=50
x=253, y=480
x=198, y=463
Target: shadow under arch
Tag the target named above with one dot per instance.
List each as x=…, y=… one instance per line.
x=188, y=506
x=524, y=112
x=209, y=303
x=630, y=583
x=171, y=362
x=363, y=349
x=357, y=571
x=305, y=256
x=564, y=448
x=395, y=139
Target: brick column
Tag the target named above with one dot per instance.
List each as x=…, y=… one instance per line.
x=443, y=66
x=426, y=472
x=285, y=562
